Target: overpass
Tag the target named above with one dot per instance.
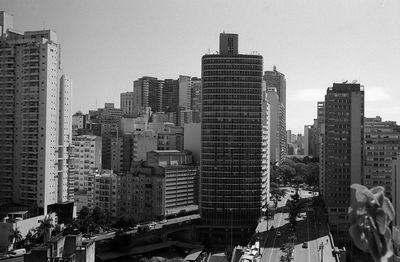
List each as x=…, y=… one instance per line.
x=145, y=249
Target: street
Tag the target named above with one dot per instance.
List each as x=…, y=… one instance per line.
x=307, y=230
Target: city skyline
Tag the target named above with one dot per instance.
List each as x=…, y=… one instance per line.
x=312, y=43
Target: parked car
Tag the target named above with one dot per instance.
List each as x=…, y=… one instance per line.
x=17, y=252
x=278, y=233
x=305, y=245
x=283, y=247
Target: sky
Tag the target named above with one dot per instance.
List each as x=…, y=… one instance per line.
x=106, y=45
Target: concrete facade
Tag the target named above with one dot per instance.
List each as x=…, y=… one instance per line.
x=344, y=152
x=185, y=92
x=276, y=80
x=86, y=157
x=181, y=179
x=192, y=140
x=126, y=102
x=382, y=143
x=274, y=138
x=105, y=192
x=147, y=93
x=170, y=95
x=33, y=114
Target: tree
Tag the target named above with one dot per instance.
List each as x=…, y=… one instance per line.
x=312, y=174
x=15, y=237
x=295, y=205
x=276, y=191
x=31, y=238
x=84, y=213
x=273, y=176
x=301, y=169
x=288, y=162
x=370, y=216
x=44, y=229
x=286, y=172
x=57, y=230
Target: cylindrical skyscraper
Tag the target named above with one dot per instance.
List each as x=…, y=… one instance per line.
x=234, y=157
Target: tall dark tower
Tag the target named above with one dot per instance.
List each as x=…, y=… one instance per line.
x=234, y=158
x=228, y=44
x=343, y=152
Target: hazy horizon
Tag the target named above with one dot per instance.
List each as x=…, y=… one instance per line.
x=106, y=45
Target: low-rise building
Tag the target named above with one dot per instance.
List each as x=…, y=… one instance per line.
x=69, y=248
x=105, y=192
x=140, y=193
x=20, y=220
x=181, y=179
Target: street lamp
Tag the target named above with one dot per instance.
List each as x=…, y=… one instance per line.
x=321, y=247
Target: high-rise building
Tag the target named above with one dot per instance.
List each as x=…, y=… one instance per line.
x=147, y=92
x=274, y=131
x=289, y=136
x=86, y=157
x=234, y=160
x=170, y=95
x=196, y=94
x=382, y=143
x=311, y=140
x=321, y=147
x=65, y=188
x=276, y=80
x=185, y=92
x=34, y=118
x=105, y=192
x=126, y=102
x=78, y=122
x=343, y=152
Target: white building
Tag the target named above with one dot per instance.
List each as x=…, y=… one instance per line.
x=86, y=157
x=105, y=192
x=33, y=128
x=126, y=102
x=143, y=142
x=185, y=91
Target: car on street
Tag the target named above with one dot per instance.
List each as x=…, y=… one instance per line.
x=305, y=245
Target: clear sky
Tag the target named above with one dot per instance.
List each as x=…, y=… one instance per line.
x=106, y=45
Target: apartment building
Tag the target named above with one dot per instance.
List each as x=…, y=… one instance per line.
x=35, y=122
x=86, y=157
x=343, y=152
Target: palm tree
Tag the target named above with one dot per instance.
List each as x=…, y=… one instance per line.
x=15, y=237
x=45, y=228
